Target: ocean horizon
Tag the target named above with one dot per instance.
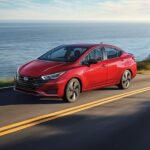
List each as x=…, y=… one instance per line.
x=21, y=42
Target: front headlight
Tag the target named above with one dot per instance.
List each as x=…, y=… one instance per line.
x=52, y=76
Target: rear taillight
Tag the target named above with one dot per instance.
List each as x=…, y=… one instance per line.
x=134, y=58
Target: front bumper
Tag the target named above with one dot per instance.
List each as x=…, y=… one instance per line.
x=53, y=88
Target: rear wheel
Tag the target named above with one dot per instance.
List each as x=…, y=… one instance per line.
x=72, y=91
x=125, y=80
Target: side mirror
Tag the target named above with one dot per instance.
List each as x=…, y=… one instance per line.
x=92, y=61
x=89, y=62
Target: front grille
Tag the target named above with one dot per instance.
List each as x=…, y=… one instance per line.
x=28, y=83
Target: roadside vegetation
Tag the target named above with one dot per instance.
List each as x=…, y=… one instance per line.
x=144, y=66
x=6, y=82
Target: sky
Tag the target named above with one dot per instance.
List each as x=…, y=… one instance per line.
x=98, y=10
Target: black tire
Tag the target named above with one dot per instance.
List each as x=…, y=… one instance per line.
x=72, y=91
x=125, y=80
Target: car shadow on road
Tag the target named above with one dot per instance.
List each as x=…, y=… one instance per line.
x=10, y=97
x=108, y=88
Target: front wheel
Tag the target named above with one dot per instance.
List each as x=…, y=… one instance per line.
x=125, y=80
x=72, y=91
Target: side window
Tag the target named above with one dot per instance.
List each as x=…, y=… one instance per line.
x=76, y=52
x=96, y=54
x=111, y=52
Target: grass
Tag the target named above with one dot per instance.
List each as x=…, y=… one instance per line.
x=6, y=82
x=143, y=65
x=143, y=71
x=143, y=68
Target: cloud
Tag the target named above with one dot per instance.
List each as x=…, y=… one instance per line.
x=132, y=10
x=125, y=10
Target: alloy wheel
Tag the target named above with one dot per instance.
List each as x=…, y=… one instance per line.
x=73, y=90
x=126, y=79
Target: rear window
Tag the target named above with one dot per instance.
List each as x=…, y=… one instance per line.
x=112, y=52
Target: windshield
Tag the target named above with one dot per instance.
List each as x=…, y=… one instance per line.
x=64, y=53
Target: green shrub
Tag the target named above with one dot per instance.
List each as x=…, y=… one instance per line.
x=4, y=83
x=144, y=65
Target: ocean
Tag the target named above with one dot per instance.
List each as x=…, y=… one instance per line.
x=21, y=42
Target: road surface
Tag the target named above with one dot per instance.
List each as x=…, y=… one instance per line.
x=122, y=123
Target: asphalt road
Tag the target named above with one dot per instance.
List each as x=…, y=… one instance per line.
x=123, y=124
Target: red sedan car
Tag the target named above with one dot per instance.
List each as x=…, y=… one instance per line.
x=68, y=70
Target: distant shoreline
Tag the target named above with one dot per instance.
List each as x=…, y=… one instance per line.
x=73, y=21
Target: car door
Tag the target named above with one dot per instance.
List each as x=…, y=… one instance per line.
x=95, y=74
x=113, y=62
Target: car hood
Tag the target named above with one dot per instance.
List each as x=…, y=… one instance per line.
x=38, y=68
